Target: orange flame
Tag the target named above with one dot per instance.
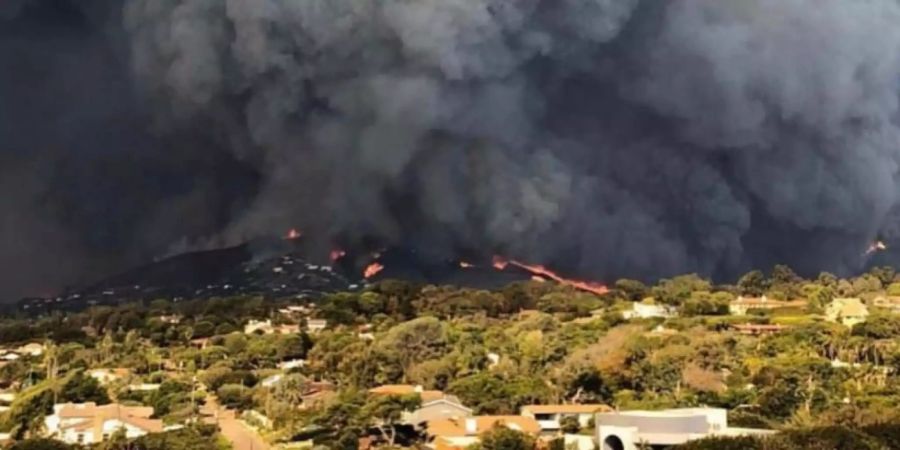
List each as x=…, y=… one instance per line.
x=538, y=279
x=337, y=254
x=372, y=270
x=293, y=233
x=876, y=246
x=544, y=274
x=465, y=265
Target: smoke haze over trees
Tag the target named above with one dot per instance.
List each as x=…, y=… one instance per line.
x=605, y=137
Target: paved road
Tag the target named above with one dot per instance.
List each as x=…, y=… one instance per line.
x=238, y=434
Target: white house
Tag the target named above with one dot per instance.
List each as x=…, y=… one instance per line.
x=87, y=423
x=32, y=349
x=631, y=430
x=847, y=311
x=292, y=364
x=316, y=325
x=106, y=376
x=550, y=417
x=647, y=310
x=143, y=387
x=266, y=327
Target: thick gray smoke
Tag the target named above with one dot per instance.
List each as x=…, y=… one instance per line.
x=606, y=137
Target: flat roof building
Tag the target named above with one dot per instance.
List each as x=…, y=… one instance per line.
x=631, y=430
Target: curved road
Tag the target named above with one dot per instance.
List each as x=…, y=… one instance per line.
x=238, y=434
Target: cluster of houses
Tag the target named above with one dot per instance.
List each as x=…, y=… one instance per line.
x=32, y=349
x=293, y=318
x=846, y=311
x=450, y=425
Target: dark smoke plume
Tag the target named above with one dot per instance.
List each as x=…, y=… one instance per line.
x=606, y=137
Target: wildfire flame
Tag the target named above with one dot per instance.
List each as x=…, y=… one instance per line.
x=876, y=246
x=293, y=233
x=337, y=254
x=544, y=274
x=465, y=265
x=372, y=270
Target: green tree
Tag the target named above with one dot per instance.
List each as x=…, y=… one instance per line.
x=632, y=290
x=80, y=388
x=41, y=444
x=385, y=411
x=502, y=438
x=570, y=425
x=753, y=284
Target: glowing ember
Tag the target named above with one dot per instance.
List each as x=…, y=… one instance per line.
x=372, y=270
x=337, y=254
x=547, y=274
x=465, y=265
x=876, y=246
x=293, y=234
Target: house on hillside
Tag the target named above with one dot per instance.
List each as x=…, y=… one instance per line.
x=742, y=305
x=448, y=407
x=458, y=434
x=106, y=376
x=889, y=302
x=31, y=349
x=87, y=423
x=757, y=329
x=847, y=311
x=550, y=417
x=316, y=325
x=633, y=430
x=647, y=309
x=266, y=327
x=435, y=404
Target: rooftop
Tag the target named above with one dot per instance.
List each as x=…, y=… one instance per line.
x=565, y=409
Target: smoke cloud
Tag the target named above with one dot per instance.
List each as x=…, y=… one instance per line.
x=605, y=137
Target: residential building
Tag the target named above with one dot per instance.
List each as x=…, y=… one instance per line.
x=316, y=325
x=631, y=430
x=172, y=319
x=143, y=387
x=741, y=305
x=460, y=433
x=448, y=407
x=550, y=417
x=889, y=302
x=297, y=310
x=292, y=364
x=259, y=326
x=31, y=349
x=87, y=423
x=757, y=329
x=647, y=309
x=847, y=311
x=106, y=376
x=271, y=381
x=266, y=327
